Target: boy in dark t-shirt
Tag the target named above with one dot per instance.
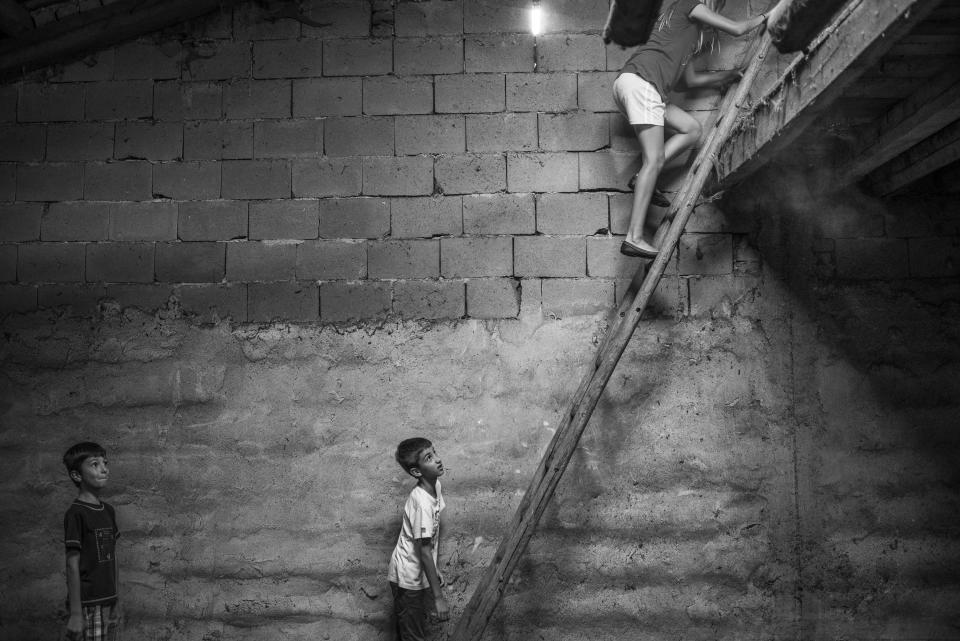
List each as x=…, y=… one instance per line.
x=89, y=536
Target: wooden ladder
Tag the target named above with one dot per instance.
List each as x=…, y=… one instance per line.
x=486, y=596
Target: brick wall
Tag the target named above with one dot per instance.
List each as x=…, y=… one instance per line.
x=436, y=146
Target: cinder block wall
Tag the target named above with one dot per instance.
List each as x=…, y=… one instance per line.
x=411, y=159
x=773, y=457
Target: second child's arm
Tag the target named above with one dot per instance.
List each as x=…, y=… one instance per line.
x=116, y=612
x=424, y=549
x=694, y=79
x=711, y=18
x=75, y=622
x=700, y=79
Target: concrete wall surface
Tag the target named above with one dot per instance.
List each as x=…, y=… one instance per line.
x=250, y=256
x=781, y=465
x=876, y=397
x=252, y=469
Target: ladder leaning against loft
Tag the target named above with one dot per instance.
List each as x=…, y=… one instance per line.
x=486, y=596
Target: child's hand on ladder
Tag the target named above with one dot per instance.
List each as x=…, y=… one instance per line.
x=774, y=14
x=733, y=75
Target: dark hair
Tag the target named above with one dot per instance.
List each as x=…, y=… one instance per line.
x=408, y=452
x=79, y=453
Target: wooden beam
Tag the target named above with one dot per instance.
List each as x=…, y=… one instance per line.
x=95, y=30
x=927, y=46
x=894, y=77
x=71, y=22
x=862, y=32
x=933, y=106
x=874, y=88
x=489, y=590
x=33, y=5
x=14, y=18
x=947, y=181
x=936, y=152
x=907, y=68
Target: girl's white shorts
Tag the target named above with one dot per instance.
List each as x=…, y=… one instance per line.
x=638, y=100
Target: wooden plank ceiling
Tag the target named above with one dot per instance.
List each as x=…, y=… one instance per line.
x=37, y=33
x=876, y=96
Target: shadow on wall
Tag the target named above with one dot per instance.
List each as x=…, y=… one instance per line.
x=876, y=352
x=879, y=277
x=562, y=582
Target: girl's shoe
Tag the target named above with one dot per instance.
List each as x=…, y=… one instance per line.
x=643, y=250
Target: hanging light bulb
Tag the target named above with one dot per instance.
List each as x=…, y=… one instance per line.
x=536, y=18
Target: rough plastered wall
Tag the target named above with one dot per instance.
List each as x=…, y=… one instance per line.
x=252, y=468
x=875, y=322
x=249, y=257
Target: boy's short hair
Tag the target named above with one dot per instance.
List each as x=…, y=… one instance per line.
x=408, y=452
x=79, y=453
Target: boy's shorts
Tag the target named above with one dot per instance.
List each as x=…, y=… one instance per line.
x=99, y=624
x=638, y=100
x=410, y=611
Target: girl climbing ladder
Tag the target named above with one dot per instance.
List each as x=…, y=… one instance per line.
x=645, y=82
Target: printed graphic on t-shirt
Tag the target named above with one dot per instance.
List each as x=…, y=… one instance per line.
x=105, y=544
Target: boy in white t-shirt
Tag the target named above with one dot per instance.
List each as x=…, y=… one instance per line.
x=413, y=573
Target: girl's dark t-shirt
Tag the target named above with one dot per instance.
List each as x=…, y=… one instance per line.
x=92, y=529
x=671, y=45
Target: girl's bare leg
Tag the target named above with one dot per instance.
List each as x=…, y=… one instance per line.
x=688, y=134
x=686, y=131
x=652, y=151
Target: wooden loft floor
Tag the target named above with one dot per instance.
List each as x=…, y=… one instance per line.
x=881, y=83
